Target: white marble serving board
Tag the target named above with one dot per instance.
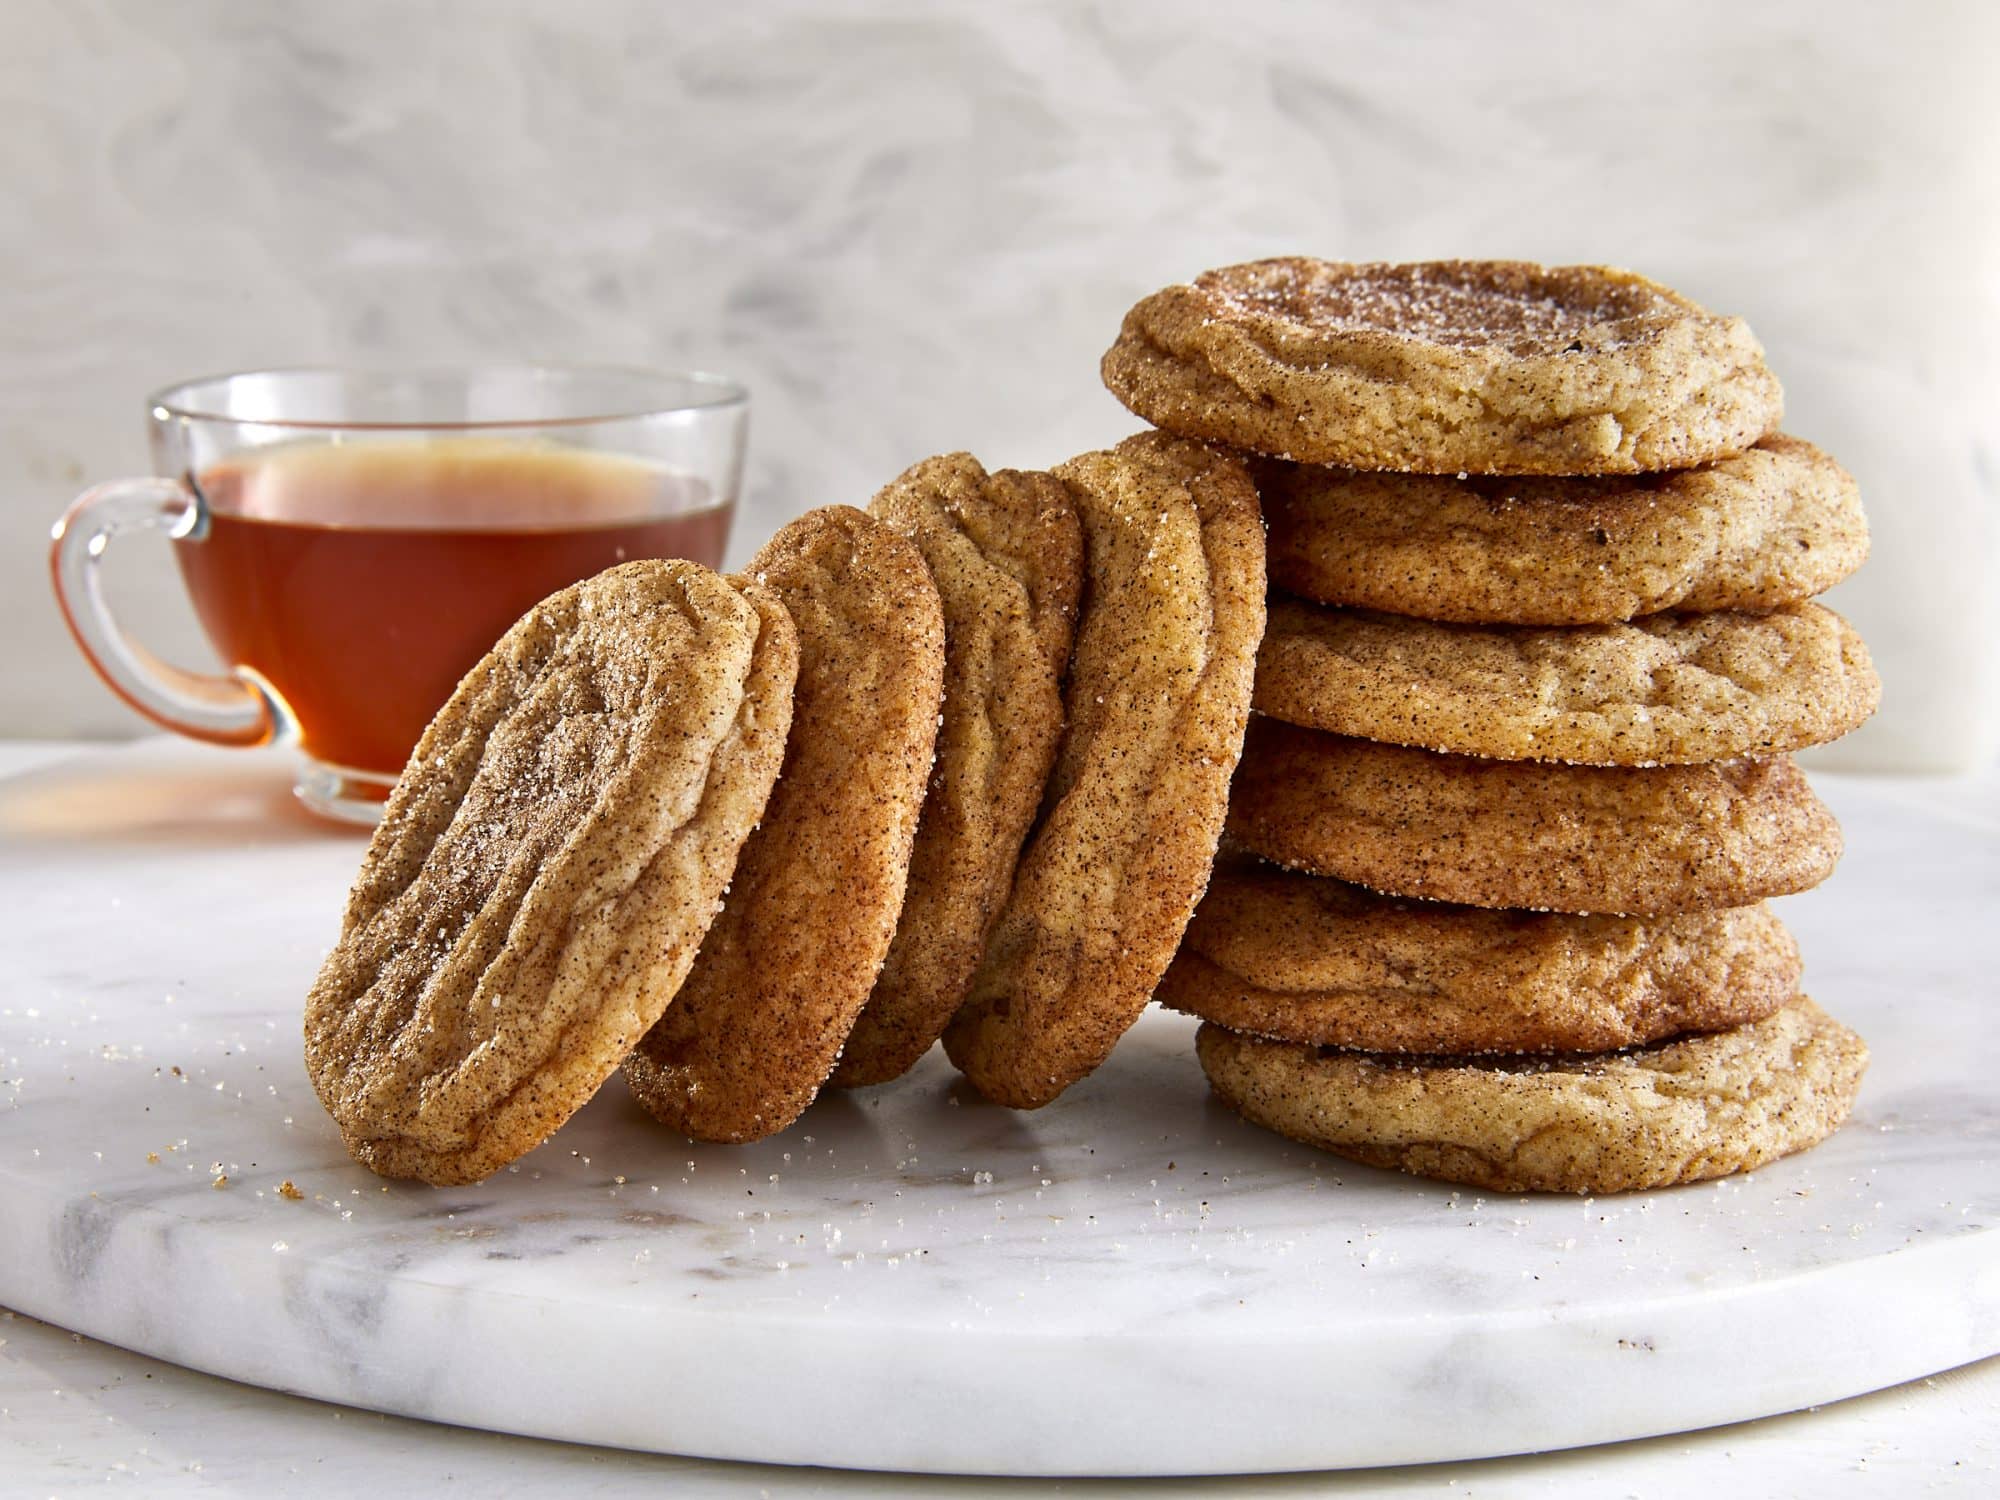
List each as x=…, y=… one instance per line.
x=1131, y=1281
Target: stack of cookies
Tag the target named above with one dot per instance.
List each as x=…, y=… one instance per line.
x=958, y=766
x=1520, y=782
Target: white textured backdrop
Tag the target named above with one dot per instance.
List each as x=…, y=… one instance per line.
x=914, y=228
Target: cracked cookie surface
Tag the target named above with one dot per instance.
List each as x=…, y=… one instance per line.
x=1683, y=1111
x=1299, y=958
x=1158, y=695
x=813, y=904
x=1528, y=834
x=1006, y=552
x=547, y=865
x=1488, y=367
x=1769, y=527
x=1675, y=689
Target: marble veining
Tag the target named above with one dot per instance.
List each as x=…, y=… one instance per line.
x=1131, y=1281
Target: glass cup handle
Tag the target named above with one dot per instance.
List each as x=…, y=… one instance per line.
x=222, y=710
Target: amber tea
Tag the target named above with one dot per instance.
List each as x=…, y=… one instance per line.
x=360, y=580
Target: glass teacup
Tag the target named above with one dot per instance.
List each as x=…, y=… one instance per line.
x=353, y=542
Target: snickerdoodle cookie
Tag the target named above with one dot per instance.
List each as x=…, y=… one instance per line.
x=1673, y=689
x=1682, y=1111
x=1158, y=694
x=1006, y=552
x=1491, y=367
x=547, y=865
x=789, y=962
x=1303, y=959
x=1527, y=834
x=1765, y=528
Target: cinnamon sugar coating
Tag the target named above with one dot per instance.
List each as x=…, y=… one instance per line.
x=1489, y=367
x=1304, y=959
x=1672, y=689
x=1006, y=552
x=1159, y=691
x=1762, y=529
x=814, y=901
x=1683, y=1111
x=547, y=865
x=1530, y=835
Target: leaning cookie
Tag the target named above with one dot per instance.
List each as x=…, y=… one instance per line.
x=1766, y=528
x=1683, y=1111
x=1158, y=695
x=1487, y=367
x=1006, y=552
x=789, y=962
x=1526, y=834
x=1674, y=689
x=1302, y=959
x=547, y=865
